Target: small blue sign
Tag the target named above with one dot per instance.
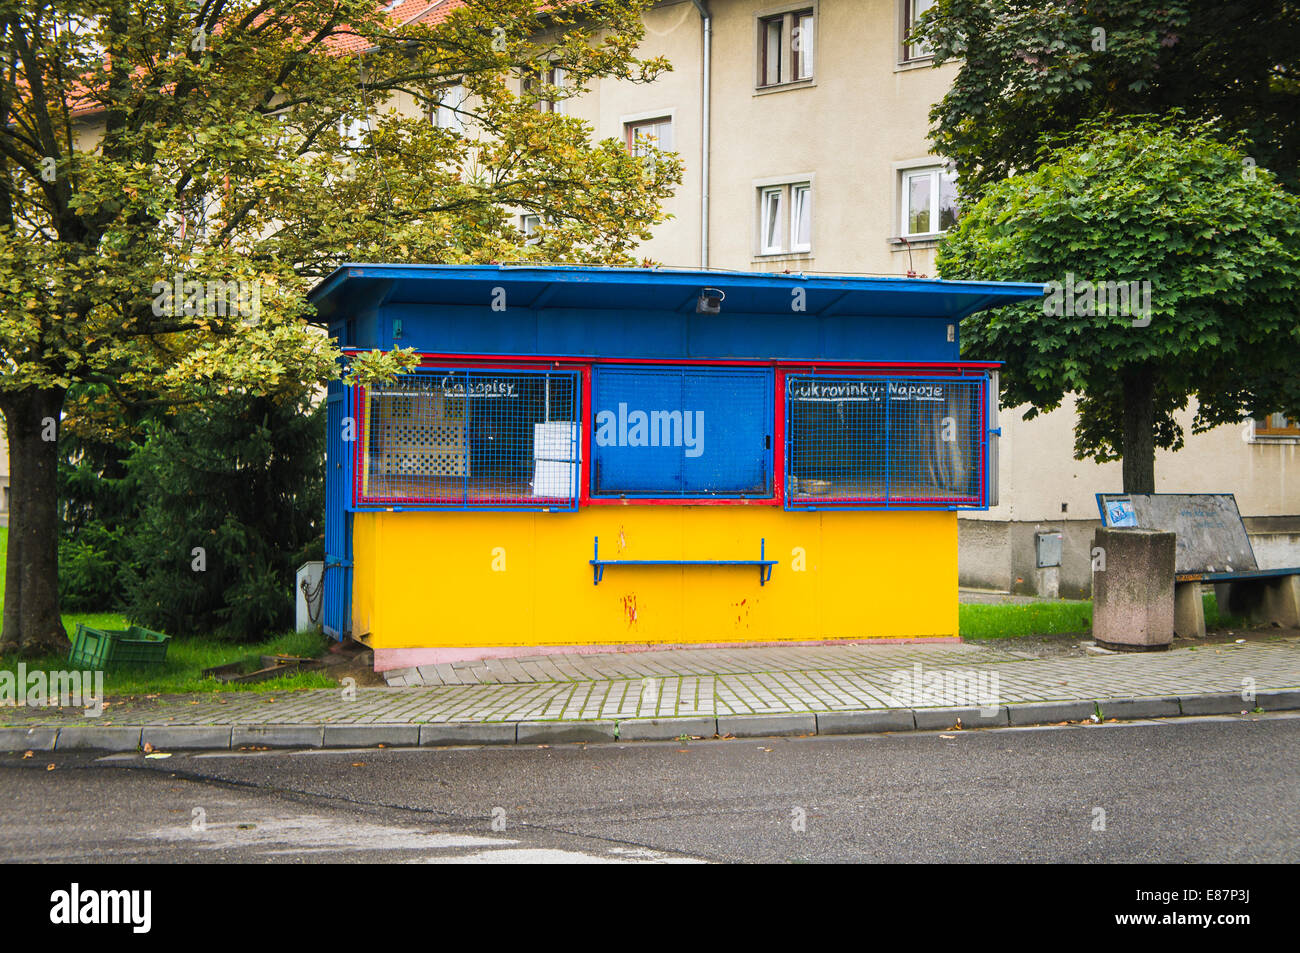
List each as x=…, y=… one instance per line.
x=1120, y=513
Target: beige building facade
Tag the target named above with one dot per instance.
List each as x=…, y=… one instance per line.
x=803, y=131
x=817, y=160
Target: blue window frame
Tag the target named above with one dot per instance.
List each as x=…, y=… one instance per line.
x=681, y=432
x=887, y=442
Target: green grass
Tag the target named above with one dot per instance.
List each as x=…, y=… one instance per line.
x=186, y=660
x=187, y=657
x=1033, y=618
x=1052, y=618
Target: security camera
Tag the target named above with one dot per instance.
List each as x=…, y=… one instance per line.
x=710, y=301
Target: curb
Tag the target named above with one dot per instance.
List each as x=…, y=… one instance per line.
x=867, y=721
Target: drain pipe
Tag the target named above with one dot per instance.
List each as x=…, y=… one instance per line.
x=706, y=19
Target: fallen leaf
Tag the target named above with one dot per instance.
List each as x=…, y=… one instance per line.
x=159, y=754
x=49, y=767
x=947, y=736
x=27, y=754
x=147, y=747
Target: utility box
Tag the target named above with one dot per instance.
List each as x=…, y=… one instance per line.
x=1047, y=549
x=308, y=592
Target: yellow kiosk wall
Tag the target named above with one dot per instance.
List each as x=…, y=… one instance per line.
x=432, y=579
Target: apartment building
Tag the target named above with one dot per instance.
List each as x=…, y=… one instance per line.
x=803, y=128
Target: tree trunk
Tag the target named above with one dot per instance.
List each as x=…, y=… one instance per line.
x=1139, y=430
x=32, y=624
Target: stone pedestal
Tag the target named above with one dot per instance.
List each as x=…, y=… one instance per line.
x=1133, y=595
x=1189, y=610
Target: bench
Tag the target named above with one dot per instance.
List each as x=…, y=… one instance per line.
x=764, y=564
x=1211, y=546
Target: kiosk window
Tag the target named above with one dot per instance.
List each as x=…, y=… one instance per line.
x=681, y=432
x=470, y=439
x=884, y=441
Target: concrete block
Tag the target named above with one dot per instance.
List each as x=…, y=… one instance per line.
x=449, y=735
x=1222, y=703
x=665, y=729
x=1139, y=707
x=27, y=739
x=865, y=722
x=766, y=726
x=101, y=738
x=1189, y=610
x=1133, y=596
x=1285, y=700
x=563, y=732
x=371, y=736
x=277, y=736
x=1281, y=602
x=938, y=719
x=1049, y=713
x=172, y=737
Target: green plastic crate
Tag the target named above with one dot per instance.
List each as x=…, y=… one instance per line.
x=104, y=648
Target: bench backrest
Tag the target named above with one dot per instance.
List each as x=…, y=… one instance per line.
x=1210, y=534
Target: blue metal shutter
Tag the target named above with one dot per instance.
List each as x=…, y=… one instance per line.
x=337, y=609
x=681, y=432
x=736, y=452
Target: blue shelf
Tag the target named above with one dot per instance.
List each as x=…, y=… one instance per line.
x=764, y=564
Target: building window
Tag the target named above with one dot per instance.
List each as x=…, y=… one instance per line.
x=647, y=133
x=461, y=439
x=447, y=113
x=786, y=45
x=785, y=218
x=351, y=132
x=912, y=10
x=884, y=441
x=548, y=101
x=928, y=201
x=1277, y=425
x=529, y=224
x=691, y=433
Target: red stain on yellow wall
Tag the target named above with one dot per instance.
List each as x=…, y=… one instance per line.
x=742, y=612
x=629, y=610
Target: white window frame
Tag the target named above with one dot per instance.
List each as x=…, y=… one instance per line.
x=936, y=173
x=784, y=191
x=769, y=227
x=528, y=224
x=800, y=199
x=911, y=52
x=444, y=112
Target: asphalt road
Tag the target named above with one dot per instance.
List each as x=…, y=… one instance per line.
x=1214, y=789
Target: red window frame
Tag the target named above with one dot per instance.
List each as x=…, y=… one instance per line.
x=583, y=365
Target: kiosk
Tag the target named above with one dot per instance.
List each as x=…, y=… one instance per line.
x=601, y=457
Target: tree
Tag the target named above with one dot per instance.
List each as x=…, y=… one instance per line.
x=1139, y=201
x=232, y=493
x=1027, y=69
x=174, y=173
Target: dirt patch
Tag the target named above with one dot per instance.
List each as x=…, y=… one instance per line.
x=352, y=660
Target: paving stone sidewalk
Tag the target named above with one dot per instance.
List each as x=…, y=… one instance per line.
x=715, y=684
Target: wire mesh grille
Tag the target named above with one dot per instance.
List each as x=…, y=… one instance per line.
x=471, y=440
x=890, y=442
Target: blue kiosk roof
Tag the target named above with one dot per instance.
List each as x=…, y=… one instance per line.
x=649, y=312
